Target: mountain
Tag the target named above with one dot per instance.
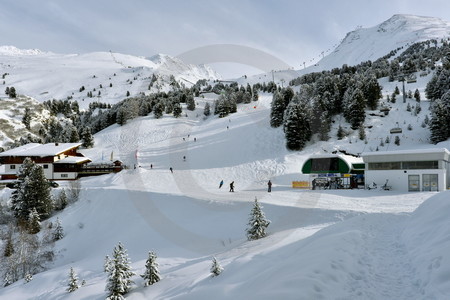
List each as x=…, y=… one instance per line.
x=363, y=44
x=108, y=75
x=399, y=31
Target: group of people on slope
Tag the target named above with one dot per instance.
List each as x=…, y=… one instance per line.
x=269, y=186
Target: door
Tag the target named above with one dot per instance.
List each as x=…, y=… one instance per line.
x=430, y=182
x=413, y=183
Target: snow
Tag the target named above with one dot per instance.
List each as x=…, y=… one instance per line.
x=331, y=244
x=354, y=244
x=35, y=149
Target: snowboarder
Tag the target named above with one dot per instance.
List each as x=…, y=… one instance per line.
x=171, y=170
x=220, y=184
x=269, y=186
x=232, y=186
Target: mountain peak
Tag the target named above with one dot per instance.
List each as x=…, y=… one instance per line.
x=14, y=51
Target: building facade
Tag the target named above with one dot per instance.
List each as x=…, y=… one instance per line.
x=60, y=161
x=409, y=170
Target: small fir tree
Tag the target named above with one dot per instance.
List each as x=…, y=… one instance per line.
x=216, y=268
x=151, y=274
x=7, y=280
x=34, y=224
x=362, y=133
x=257, y=223
x=207, y=109
x=177, y=110
x=417, y=95
x=28, y=277
x=59, y=232
x=73, y=281
x=397, y=140
x=119, y=278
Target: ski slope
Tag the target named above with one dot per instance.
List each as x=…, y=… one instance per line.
x=340, y=244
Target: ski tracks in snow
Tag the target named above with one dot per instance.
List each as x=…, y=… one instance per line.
x=385, y=270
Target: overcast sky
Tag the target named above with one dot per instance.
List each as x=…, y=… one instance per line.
x=293, y=31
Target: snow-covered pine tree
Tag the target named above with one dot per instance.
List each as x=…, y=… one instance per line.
x=417, y=95
x=361, y=132
x=34, y=224
x=158, y=110
x=216, y=268
x=297, y=125
x=26, y=119
x=28, y=277
x=257, y=223
x=73, y=281
x=207, y=109
x=32, y=191
x=7, y=280
x=277, y=110
x=190, y=102
x=354, y=107
x=86, y=138
x=177, y=110
x=119, y=278
x=61, y=201
x=151, y=274
x=59, y=232
x=439, y=122
x=107, y=265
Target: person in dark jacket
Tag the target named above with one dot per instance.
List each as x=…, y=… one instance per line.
x=269, y=186
x=220, y=184
x=232, y=186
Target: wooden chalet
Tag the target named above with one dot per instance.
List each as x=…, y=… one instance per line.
x=59, y=160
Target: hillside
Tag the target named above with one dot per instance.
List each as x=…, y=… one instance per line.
x=46, y=76
x=322, y=244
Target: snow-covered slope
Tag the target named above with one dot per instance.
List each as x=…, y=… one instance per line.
x=372, y=43
x=355, y=244
x=45, y=76
x=365, y=44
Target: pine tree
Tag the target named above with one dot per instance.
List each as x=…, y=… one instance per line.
x=26, y=119
x=417, y=95
x=177, y=110
x=151, y=274
x=277, y=110
x=34, y=224
x=32, y=191
x=439, y=122
x=107, y=265
x=119, y=282
x=397, y=140
x=257, y=223
x=9, y=246
x=340, y=133
x=216, y=268
x=7, y=280
x=158, y=110
x=207, y=110
x=86, y=138
x=190, y=102
x=59, y=231
x=73, y=281
x=28, y=277
x=297, y=126
x=12, y=92
x=362, y=133
x=62, y=200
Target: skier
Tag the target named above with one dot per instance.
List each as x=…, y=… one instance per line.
x=269, y=186
x=220, y=184
x=184, y=158
x=195, y=139
x=232, y=186
x=151, y=166
x=171, y=170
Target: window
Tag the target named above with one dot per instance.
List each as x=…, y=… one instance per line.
x=385, y=166
x=45, y=166
x=12, y=167
x=64, y=175
x=411, y=165
x=325, y=164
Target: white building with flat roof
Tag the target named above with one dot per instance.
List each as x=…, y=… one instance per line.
x=409, y=170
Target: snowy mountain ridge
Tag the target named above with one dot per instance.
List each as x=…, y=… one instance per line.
x=108, y=75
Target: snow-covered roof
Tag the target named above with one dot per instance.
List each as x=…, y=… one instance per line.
x=41, y=150
x=407, y=155
x=347, y=158
x=73, y=160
